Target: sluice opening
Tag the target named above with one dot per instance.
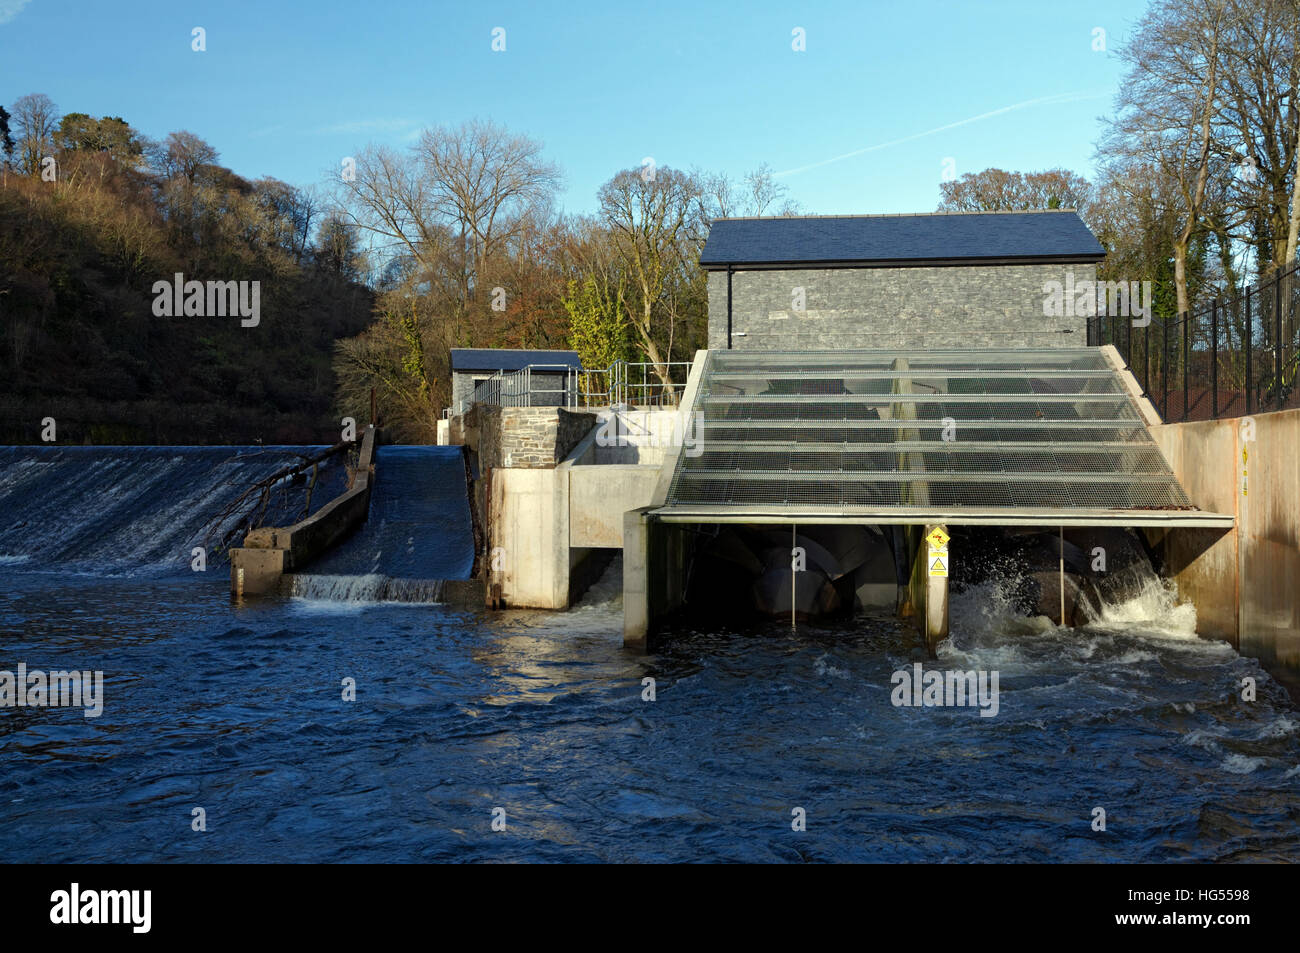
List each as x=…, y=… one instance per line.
x=749, y=574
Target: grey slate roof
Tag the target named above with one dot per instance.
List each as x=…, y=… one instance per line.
x=938, y=238
x=507, y=359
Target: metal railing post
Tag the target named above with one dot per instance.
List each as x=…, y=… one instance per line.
x=1128, y=343
x=1187, y=334
x=1146, y=360
x=1277, y=340
x=1250, y=346
x=1214, y=359
x=1164, y=368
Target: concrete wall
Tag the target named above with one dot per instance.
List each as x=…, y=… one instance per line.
x=543, y=523
x=640, y=436
x=655, y=555
x=600, y=495
x=1203, y=562
x=959, y=306
x=1245, y=584
x=528, y=557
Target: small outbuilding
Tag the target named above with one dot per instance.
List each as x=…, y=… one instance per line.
x=936, y=280
x=550, y=380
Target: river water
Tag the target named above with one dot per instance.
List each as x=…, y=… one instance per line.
x=541, y=720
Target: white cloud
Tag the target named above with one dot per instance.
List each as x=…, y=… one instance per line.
x=10, y=9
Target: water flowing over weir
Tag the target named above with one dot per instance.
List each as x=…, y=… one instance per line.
x=418, y=535
x=141, y=510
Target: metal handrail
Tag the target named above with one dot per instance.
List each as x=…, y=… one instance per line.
x=623, y=383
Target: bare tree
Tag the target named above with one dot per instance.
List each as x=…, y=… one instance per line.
x=35, y=118
x=648, y=216
x=996, y=190
x=184, y=154
x=387, y=198
x=1168, y=109
x=486, y=182
x=1257, y=145
x=758, y=193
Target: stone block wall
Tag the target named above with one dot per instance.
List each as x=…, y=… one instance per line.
x=522, y=437
x=967, y=306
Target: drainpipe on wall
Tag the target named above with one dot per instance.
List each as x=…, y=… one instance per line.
x=728, y=307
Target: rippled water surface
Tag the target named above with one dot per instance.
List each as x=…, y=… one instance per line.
x=238, y=710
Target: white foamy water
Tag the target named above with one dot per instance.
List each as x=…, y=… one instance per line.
x=988, y=613
x=351, y=593
x=1242, y=764
x=598, y=613
x=1152, y=611
x=115, y=511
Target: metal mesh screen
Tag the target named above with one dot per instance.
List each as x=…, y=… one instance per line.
x=839, y=430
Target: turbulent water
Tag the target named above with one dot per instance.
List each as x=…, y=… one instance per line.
x=239, y=710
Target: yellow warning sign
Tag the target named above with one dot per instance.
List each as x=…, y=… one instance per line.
x=938, y=537
x=939, y=564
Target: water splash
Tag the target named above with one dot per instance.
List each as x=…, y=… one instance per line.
x=1148, y=606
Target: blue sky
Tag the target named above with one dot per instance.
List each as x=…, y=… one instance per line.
x=862, y=121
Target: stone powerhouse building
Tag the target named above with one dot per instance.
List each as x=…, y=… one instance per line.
x=944, y=279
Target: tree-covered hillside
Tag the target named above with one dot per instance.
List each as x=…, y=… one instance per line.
x=92, y=216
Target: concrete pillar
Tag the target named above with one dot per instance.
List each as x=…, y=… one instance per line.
x=636, y=579
x=936, y=591
x=927, y=591
x=918, y=493
x=256, y=572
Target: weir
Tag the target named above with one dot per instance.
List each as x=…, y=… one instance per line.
x=320, y=532
x=895, y=444
x=146, y=510
x=416, y=544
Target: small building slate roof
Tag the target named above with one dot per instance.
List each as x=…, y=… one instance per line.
x=507, y=359
x=928, y=238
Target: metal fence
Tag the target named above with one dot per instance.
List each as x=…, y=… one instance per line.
x=623, y=383
x=537, y=385
x=1230, y=358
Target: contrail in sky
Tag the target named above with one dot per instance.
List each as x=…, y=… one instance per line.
x=1041, y=101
